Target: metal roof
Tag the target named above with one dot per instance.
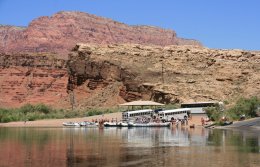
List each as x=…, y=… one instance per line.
x=142, y=103
x=175, y=110
x=138, y=111
x=202, y=102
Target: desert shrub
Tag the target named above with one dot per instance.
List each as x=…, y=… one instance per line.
x=71, y=114
x=27, y=108
x=90, y=113
x=171, y=106
x=245, y=106
x=98, y=111
x=32, y=116
x=214, y=113
x=6, y=119
x=108, y=111
x=42, y=108
x=40, y=111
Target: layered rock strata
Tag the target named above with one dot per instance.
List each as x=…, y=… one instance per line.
x=108, y=75
x=60, y=32
x=96, y=76
x=33, y=78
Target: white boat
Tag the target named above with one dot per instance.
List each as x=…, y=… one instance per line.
x=149, y=124
x=122, y=124
x=110, y=124
x=88, y=124
x=72, y=124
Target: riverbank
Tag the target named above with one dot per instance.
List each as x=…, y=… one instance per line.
x=248, y=123
x=196, y=120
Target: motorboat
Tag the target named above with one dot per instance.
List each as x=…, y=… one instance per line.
x=110, y=124
x=149, y=124
x=71, y=124
x=122, y=124
x=88, y=124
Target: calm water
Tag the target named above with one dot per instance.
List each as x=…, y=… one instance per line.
x=128, y=147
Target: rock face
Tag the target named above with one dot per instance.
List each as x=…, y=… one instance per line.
x=60, y=32
x=28, y=78
x=96, y=76
x=9, y=35
x=35, y=66
x=110, y=74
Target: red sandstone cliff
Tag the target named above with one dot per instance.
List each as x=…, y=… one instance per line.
x=60, y=32
x=33, y=78
x=111, y=74
x=105, y=75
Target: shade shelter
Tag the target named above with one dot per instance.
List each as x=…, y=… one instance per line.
x=141, y=104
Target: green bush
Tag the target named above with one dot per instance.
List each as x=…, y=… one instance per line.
x=32, y=116
x=6, y=119
x=90, y=113
x=40, y=111
x=244, y=106
x=42, y=108
x=71, y=114
x=171, y=106
x=214, y=113
x=27, y=108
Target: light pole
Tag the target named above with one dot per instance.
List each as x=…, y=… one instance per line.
x=161, y=60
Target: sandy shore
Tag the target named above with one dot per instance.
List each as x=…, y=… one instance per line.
x=58, y=122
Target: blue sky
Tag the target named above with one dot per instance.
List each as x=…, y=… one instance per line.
x=216, y=23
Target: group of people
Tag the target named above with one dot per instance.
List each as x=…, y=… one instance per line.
x=183, y=122
x=143, y=120
x=204, y=120
x=104, y=120
x=175, y=122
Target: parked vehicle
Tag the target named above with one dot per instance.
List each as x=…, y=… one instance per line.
x=171, y=115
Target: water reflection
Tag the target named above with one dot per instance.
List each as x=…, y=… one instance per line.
x=162, y=137
x=128, y=147
x=244, y=140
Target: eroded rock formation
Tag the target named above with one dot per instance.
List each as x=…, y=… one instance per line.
x=113, y=73
x=35, y=66
x=34, y=79
x=60, y=32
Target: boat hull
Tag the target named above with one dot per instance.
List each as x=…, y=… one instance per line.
x=89, y=124
x=110, y=124
x=71, y=124
x=151, y=124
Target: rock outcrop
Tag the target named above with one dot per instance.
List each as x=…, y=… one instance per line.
x=33, y=78
x=113, y=73
x=60, y=32
x=97, y=76
x=113, y=67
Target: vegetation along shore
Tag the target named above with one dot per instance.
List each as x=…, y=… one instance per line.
x=42, y=115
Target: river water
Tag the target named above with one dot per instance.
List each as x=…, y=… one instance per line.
x=184, y=147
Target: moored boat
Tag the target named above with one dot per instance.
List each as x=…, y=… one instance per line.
x=149, y=124
x=110, y=124
x=71, y=124
x=122, y=124
x=88, y=124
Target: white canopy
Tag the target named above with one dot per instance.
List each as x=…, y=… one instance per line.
x=142, y=103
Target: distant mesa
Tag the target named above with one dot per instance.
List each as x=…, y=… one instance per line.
x=60, y=32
